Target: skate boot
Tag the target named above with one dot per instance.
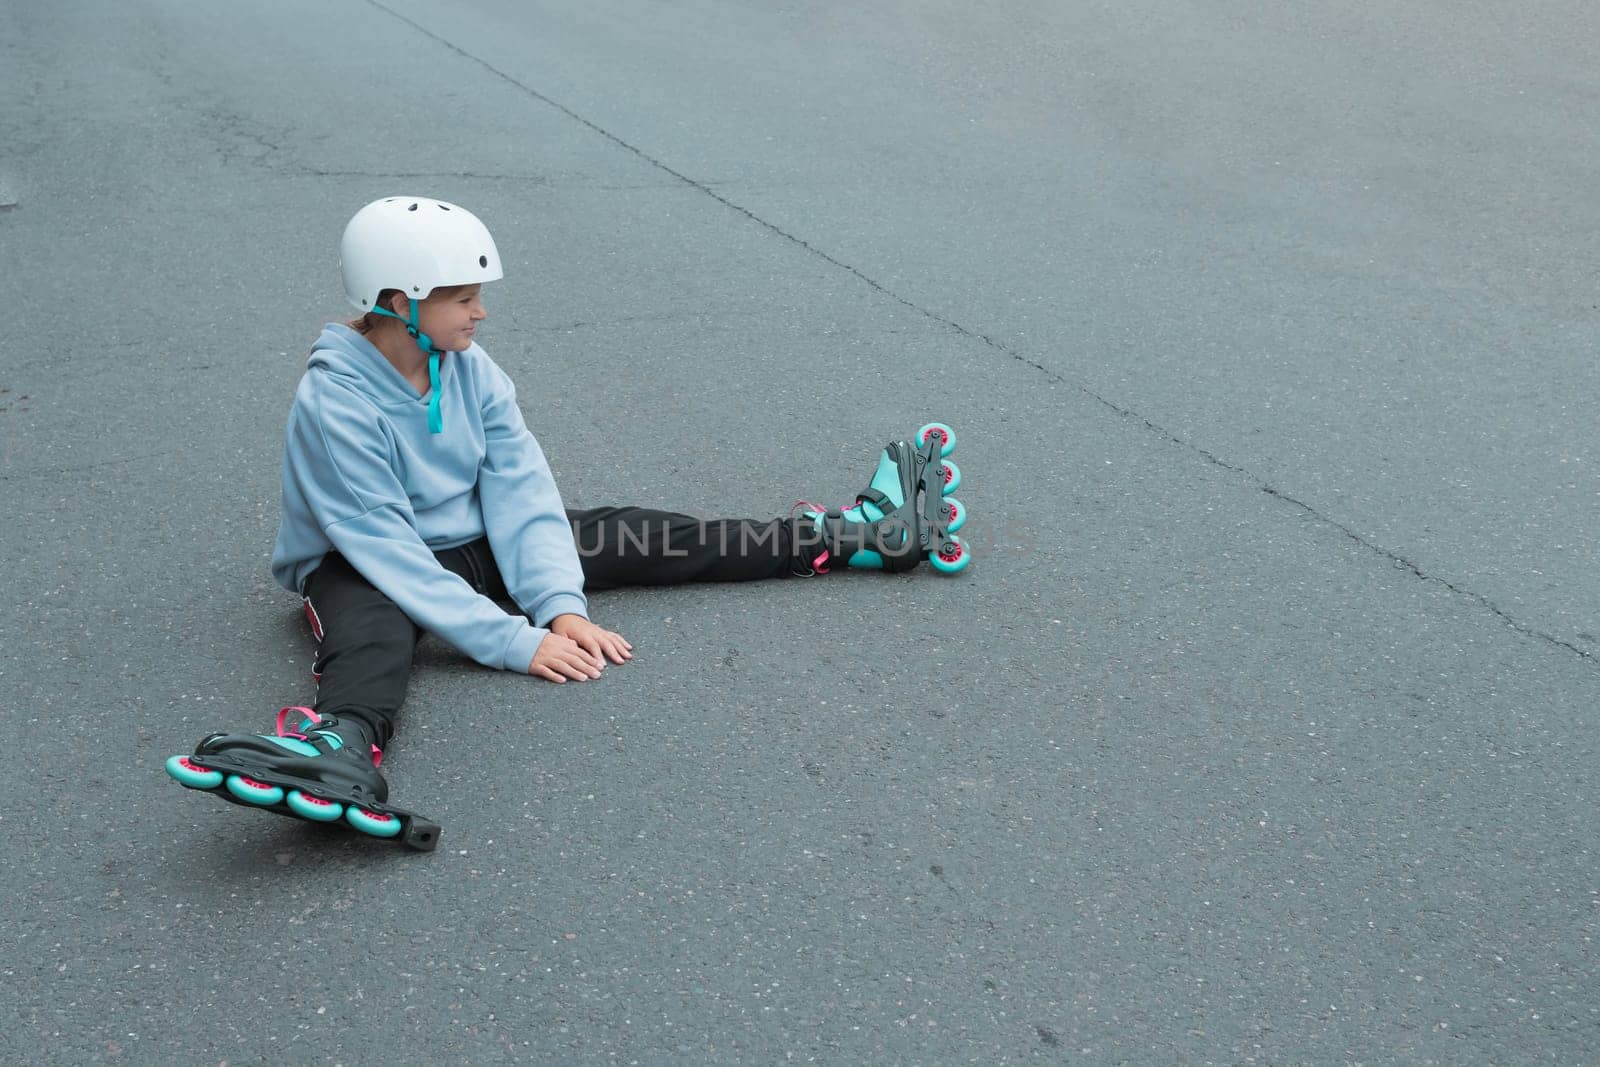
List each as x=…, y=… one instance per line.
x=902, y=517
x=317, y=772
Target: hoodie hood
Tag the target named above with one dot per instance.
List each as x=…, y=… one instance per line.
x=356, y=361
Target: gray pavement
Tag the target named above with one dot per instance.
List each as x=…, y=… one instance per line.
x=1261, y=730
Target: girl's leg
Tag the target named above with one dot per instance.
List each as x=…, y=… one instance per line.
x=364, y=651
x=641, y=546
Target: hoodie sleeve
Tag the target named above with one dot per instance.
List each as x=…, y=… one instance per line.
x=527, y=526
x=344, y=470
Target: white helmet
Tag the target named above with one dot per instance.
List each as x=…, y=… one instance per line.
x=415, y=245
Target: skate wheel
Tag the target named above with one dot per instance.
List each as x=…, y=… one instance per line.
x=376, y=823
x=951, y=475
x=314, y=808
x=944, y=434
x=951, y=557
x=955, y=514
x=191, y=774
x=253, y=792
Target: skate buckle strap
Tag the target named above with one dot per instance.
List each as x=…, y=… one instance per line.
x=876, y=498
x=818, y=565
x=306, y=713
x=301, y=715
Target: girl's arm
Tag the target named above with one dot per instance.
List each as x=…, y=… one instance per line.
x=522, y=512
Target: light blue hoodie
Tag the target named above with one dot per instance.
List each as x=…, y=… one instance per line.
x=363, y=476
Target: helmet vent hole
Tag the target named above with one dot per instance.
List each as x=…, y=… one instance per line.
x=443, y=207
x=483, y=261
x=413, y=207
x=416, y=288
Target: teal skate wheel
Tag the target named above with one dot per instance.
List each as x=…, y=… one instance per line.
x=955, y=514
x=945, y=435
x=378, y=824
x=951, y=557
x=253, y=792
x=191, y=774
x=952, y=476
x=314, y=808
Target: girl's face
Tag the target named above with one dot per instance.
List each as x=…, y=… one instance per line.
x=451, y=316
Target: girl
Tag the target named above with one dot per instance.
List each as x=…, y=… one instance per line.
x=414, y=498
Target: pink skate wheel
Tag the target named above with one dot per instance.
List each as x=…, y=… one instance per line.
x=376, y=823
x=951, y=557
x=191, y=774
x=313, y=808
x=253, y=792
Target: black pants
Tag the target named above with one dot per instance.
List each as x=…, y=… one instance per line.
x=366, y=643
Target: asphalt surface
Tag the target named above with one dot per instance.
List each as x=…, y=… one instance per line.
x=1262, y=729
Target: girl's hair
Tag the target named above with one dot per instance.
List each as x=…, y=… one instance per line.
x=369, y=322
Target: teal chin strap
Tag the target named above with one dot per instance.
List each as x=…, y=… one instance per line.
x=435, y=420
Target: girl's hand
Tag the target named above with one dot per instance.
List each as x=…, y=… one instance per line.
x=600, y=643
x=559, y=658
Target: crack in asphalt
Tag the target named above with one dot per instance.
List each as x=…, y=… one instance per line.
x=1393, y=557
x=1403, y=563
x=521, y=179
x=531, y=179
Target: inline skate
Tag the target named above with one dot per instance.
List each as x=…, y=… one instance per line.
x=317, y=772
x=903, y=516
